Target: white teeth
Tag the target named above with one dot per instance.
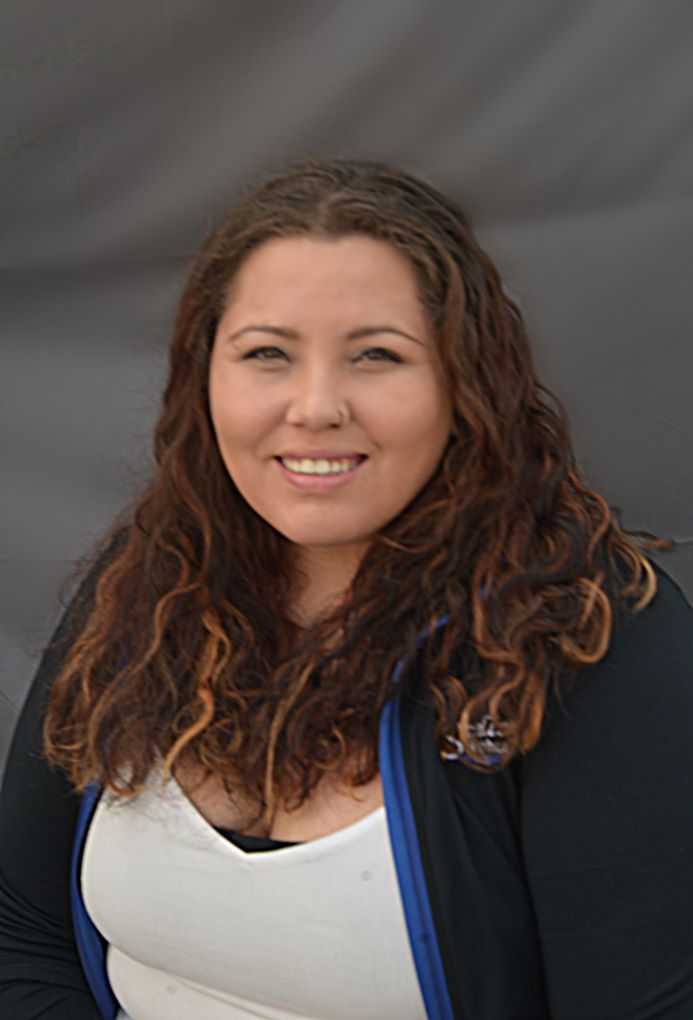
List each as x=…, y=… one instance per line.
x=306, y=466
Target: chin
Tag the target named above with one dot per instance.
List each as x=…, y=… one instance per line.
x=311, y=541
x=324, y=538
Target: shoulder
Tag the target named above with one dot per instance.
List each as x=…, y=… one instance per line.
x=647, y=672
x=621, y=728
x=660, y=633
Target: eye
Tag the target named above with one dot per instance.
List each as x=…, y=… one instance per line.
x=263, y=354
x=378, y=354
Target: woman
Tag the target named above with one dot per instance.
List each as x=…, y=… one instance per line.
x=373, y=708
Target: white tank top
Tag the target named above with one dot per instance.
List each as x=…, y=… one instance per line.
x=198, y=928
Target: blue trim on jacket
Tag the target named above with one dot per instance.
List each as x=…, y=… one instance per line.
x=90, y=944
x=405, y=848
x=412, y=882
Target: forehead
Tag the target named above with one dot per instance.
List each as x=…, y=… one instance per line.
x=350, y=271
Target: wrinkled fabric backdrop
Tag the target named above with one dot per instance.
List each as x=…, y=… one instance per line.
x=565, y=129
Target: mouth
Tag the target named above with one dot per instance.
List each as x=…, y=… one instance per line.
x=322, y=475
x=322, y=467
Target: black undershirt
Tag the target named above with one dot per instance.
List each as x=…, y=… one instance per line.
x=253, y=844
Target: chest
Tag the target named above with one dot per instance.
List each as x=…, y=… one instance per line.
x=332, y=805
x=197, y=926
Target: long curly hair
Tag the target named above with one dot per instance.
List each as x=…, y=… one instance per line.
x=187, y=649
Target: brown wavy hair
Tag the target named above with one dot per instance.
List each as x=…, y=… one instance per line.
x=187, y=647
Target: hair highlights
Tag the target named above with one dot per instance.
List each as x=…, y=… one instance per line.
x=187, y=648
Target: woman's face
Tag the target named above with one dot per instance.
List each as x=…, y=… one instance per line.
x=325, y=389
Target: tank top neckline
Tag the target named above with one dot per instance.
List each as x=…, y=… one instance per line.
x=308, y=848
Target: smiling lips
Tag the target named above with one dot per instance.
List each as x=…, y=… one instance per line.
x=321, y=465
x=320, y=473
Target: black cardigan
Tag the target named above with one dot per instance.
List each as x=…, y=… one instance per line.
x=561, y=887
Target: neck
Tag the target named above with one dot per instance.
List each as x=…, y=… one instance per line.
x=323, y=576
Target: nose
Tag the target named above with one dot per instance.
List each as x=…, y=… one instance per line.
x=317, y=400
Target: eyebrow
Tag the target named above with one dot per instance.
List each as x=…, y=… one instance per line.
x=354, y=334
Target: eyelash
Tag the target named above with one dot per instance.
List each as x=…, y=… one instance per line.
x=256, y=354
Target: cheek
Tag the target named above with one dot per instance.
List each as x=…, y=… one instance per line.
x=419, y=419
x=240, y=417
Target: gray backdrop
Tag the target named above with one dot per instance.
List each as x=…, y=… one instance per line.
x=126, y=129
